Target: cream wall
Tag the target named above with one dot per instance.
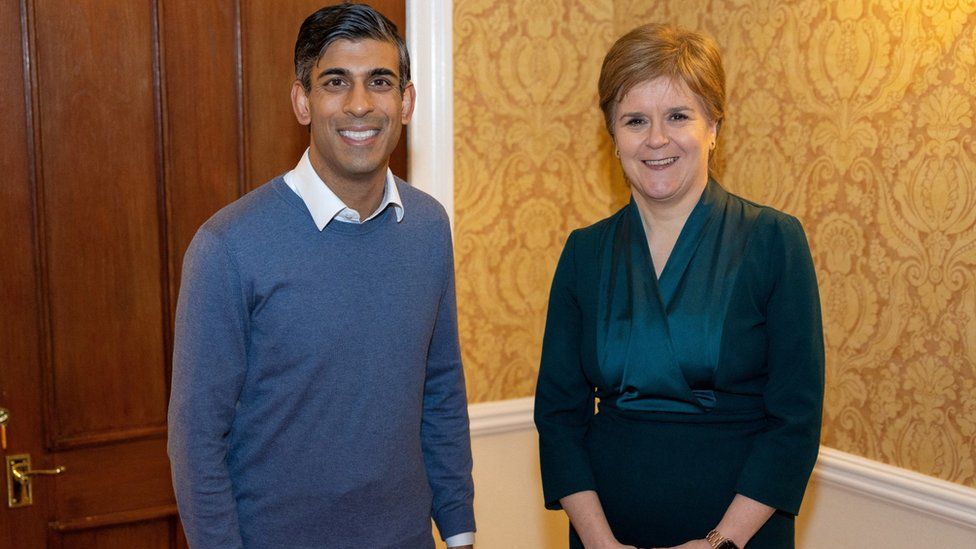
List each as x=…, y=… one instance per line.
x=855, y=116
x=508, y=495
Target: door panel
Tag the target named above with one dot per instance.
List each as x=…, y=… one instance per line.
x=151, y=534
x=98, y=215
x=112, y=478
x=269, y=64
x=19, y=304
x=126, y=125
x=202, y=135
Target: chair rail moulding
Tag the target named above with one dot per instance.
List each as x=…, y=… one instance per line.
x=919, y=493
x=501, y=416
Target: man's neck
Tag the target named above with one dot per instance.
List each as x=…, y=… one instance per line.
x=362, y=194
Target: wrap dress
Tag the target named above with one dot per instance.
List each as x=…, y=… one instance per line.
x=667, y=396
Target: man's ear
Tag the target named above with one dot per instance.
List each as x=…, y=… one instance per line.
x=299, y=103
x=409, y=100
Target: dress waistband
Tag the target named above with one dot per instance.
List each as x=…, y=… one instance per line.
x=724, y=407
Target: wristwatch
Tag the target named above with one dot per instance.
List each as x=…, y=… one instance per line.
x=718, y=541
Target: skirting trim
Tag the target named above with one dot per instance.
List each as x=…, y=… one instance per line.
x=501, y=416
x=896, y=486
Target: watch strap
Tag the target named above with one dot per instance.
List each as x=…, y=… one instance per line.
x=718, y=541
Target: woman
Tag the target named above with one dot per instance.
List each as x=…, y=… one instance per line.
x=692, y=316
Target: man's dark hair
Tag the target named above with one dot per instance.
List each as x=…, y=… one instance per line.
x=346, y=21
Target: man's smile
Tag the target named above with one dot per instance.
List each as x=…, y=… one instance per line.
x=359, y=135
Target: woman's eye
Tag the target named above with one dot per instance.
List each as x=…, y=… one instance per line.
x=679, y=116
x=634, y=122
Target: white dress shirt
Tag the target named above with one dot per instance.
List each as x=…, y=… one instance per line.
x=325, y=206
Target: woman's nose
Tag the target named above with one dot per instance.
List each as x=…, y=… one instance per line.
x=657, y=136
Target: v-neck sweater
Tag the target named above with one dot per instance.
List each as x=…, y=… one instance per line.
x=318, y=396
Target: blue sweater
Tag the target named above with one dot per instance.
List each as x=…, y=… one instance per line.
x=318, y=397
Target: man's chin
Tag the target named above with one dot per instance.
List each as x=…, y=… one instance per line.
x=364, y=172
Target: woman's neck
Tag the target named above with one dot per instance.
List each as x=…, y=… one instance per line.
x=663, y=222
x=668, y=216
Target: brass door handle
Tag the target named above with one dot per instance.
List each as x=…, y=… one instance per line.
x=22, y=471
x=20, y=492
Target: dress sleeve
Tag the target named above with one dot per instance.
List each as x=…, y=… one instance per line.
x=209, y=362
x=564, y=398
x=445, y=437
x=783, y=456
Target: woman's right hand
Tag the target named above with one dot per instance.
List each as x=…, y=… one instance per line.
x=586, y=515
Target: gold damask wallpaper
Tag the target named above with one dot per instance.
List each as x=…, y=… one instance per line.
x=857, y=116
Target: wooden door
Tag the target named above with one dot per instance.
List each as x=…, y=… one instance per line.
x=125, y=124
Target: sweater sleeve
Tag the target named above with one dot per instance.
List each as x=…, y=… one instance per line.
x=783, y=456
x=564, y=398
x=445, y=436
x=209, y=361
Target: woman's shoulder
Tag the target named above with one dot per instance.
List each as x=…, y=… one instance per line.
x=591, y=235
x=776, y=236
x=768, y=220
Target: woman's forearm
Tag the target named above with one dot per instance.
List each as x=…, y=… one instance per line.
x=744, y=517
x=586, y=514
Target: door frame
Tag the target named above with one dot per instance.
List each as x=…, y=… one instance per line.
x=430, y=39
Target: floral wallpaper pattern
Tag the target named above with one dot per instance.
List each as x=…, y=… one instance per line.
x=857, y=116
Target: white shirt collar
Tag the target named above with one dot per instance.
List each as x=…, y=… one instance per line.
x=325, y=206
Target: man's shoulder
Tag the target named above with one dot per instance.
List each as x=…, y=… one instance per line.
x=423, y=214
x=420, y=204
x=252, y=211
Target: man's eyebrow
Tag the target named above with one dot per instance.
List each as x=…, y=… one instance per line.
x=333, y=71
x=337, y=71
x=382, y=72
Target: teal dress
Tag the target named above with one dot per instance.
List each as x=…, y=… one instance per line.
x=709, y=380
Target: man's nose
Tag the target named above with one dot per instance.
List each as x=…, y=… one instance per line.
x=358, y=101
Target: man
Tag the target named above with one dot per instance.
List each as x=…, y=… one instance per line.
x=318, y=398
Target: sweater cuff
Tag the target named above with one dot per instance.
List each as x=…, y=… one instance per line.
x=455, y=520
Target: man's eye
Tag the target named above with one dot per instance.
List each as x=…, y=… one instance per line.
x=334, y=82
x=381, y=83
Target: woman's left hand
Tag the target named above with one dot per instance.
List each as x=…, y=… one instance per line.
x=693, y=544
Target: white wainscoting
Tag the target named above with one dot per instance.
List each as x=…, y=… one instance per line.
x=852, y=502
